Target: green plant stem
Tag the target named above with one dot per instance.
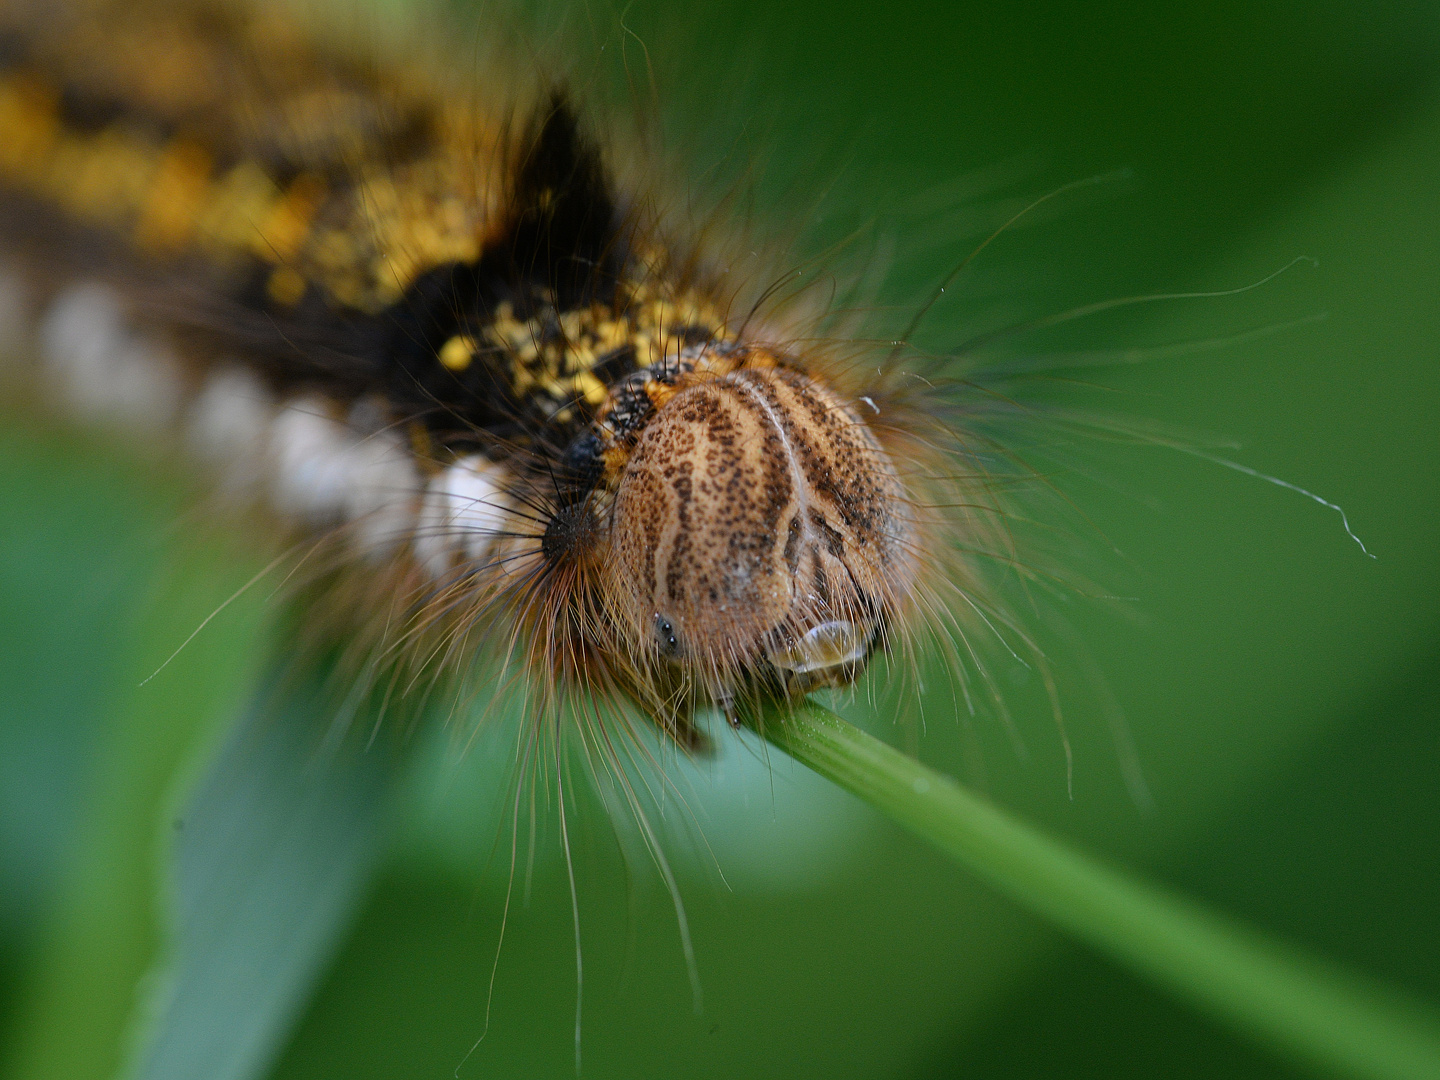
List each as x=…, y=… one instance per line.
x=1295, y=1003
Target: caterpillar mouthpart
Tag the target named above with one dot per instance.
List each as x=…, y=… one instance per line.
x=832, y=654
x=828, y=650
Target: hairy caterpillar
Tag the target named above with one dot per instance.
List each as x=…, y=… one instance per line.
x=710, y=951
x=497, y=399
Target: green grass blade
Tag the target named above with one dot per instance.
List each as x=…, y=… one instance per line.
x=104, y=931
x=280, y=839
x=1297, y=1004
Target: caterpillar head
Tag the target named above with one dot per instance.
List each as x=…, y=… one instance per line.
x=758, y=535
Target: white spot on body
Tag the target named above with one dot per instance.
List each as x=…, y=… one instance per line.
x=325, y=474
x=310, y=452
x=104, y=369
x=228, y=427
x=461, y=514
x=383, y=486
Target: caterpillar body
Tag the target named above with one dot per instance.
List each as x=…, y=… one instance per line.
x=442, y=339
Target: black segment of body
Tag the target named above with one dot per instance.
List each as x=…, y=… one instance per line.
x=571, y=533
x=615, y=365
x=560, y=245
x=559, y=250
x=631, y=407
x=579, y=469
x=563, y=227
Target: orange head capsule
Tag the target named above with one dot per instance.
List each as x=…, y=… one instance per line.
x=757, y=535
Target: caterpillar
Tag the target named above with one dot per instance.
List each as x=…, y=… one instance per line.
x=499, y=400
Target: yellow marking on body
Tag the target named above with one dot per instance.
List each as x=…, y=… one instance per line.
x=614, y=458
x=591, y=389
x=576, y=357
x=457, y=353
x=362, y=244
x=240, y=202
x=658, y=393
x=29, y=124
x=576, y=324
x=177, y=194
x=556, y=352
x=288, y=223
x=521, y=380
x=286, y=285
x=401, y=217
x=509, y=333
x=415, y=217
x=611, y=334
x=106, y=178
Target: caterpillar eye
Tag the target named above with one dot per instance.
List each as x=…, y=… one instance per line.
x=760, y=516
x=666, y=639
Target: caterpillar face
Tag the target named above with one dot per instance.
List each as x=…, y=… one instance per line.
x=729, y=525
x=757, y=529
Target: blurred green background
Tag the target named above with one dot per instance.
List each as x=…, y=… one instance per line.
x=1282, y=690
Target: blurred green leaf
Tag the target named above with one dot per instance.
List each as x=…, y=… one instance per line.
x=272, y=851
x=101, y=931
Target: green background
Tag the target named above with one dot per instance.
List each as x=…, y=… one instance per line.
x=1282, y=690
